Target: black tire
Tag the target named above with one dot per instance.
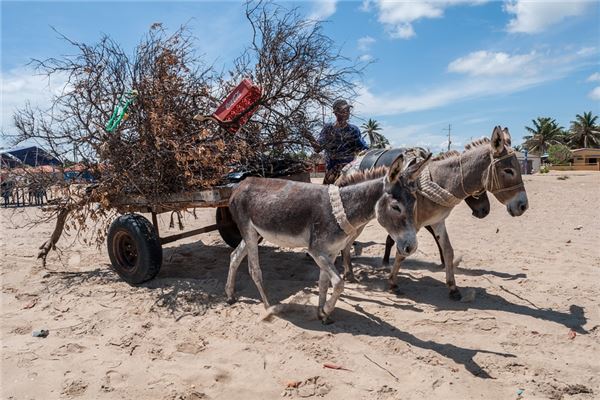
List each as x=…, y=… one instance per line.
x=227, y=227
x=134, y=248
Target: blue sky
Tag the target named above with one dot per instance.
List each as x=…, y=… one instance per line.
x=471, y=64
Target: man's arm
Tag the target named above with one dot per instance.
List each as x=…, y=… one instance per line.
x=360, y=142
x=317, y=144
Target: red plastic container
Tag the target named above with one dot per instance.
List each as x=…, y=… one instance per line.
x=236, y=102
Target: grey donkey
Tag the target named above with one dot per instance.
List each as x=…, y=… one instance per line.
x=322, y=218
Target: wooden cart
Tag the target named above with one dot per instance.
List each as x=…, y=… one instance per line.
x=134, y=243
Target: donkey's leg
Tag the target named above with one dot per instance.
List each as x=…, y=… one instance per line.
x=393, y=279
x=347, y=259
x=430, y=230
x=254, y=266
x=389, y=243
x=323, y=286
x=326, y=263
x=240, y=252
x=448, y=253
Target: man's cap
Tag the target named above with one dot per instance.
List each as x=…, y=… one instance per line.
x=341, y=105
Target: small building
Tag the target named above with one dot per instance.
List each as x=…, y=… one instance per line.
x=587, y=158
x=534, y=162
x=32, y=156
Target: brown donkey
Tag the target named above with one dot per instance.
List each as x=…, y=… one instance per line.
x=478, y=202
x=489, y=165
x=322, y=219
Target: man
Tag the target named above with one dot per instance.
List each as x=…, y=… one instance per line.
x=340, y=140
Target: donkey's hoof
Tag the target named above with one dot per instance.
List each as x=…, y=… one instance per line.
x=455, y=295
x=232, y=300
x=325, y=320
x=385, y=263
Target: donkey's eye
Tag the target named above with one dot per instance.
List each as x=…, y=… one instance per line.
x=509, y=171
x=396, y=207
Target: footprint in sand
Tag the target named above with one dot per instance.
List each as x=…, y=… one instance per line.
x=22, y=330
x=112, y=380
x=69, y=348
x=192, y=348
x=74, y=388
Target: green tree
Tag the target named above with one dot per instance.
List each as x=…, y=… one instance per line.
x=517, y=147
x=584, y=132
x=371, y=130
x=559, y=154
x=544, y=133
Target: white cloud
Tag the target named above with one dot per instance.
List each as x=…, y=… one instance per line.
x=486, y=63
x=540, y=69
x=365, y=58
x=432, y=135
x=20, y=85
x=536, y=16
x=364, y=43
x=398, y=16
x=322, y=9
x=595, y=77
x=366, y=5
x=595, y=93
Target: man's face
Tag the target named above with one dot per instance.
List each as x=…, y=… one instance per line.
x=342, y=115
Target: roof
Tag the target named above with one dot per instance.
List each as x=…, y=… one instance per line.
x=530, y=156
x=587, y=150
x=9, y=161
x=32, y=156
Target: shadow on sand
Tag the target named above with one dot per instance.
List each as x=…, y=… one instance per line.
x=361, y=322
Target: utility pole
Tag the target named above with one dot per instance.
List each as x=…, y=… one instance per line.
x=449, y=139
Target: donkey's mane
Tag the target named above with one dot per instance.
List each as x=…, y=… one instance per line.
x=448, y=154
x=361, y=176
x=477, y=143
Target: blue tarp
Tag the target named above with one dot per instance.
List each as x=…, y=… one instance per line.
x=8, y=161
x=34, y=156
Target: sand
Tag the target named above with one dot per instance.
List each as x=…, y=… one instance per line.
x=529, y=328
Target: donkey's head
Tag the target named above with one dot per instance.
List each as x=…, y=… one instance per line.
x=396, y=208
x=503, y=176
x=479, y=204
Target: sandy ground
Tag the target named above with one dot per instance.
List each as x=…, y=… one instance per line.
x=532, y=330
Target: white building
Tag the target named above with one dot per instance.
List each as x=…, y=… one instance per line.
x=534, y=162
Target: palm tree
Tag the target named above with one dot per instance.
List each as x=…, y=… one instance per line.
x=376, y=139
x=517, y=147
x=584, y=132
x=545, y=132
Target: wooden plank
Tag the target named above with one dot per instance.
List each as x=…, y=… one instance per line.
x=183, y=235
x=215, y=197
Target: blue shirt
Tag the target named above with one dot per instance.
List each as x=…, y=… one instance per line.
x=341, y=144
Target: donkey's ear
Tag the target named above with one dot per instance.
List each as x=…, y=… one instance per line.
x=414, y=169
x=497, y=141
x=396, y=168
x=507, y=138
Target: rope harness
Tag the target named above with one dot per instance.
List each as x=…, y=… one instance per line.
x=434, y=192
x=489, y=180
x=338, y=210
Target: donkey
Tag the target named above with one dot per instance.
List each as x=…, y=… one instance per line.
x=479, y=203
x=489, y=165
x=322, y=219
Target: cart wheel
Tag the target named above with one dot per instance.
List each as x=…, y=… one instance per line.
x=227, y=227
x=134, y=248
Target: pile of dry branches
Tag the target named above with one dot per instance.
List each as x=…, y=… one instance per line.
x=159, y=148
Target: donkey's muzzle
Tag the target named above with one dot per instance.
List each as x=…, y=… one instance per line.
x=519, y=205
x=481, y=212
x=405, y=249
